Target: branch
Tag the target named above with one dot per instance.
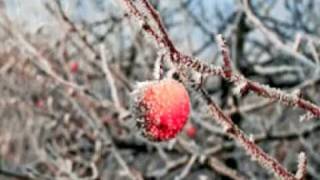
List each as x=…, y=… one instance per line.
x=225, y=72
x=274, y=38
x=249, y=146
x=157, y=19
x=226, y=56
x=221, y=168
x=302, y=166
x=246, y=85
x=109, y=77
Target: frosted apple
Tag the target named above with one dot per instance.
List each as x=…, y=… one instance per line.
x=161, y=108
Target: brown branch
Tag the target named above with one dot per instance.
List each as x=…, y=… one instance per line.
x=225, y=72
x=160, y=25
x=143, y=22
x=266, y=91
x=226, y=56
x=249, y=146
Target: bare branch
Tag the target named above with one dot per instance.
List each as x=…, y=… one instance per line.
x=302, y=166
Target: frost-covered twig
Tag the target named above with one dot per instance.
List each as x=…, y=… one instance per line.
x=249, y=146
x=246, y=86
x=109, y=77
x=196, y=65
x=164, y=42
x=302, y=166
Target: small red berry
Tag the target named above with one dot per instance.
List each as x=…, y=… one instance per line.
x=191, y=131
x=40, y=104
x=74, y=67
x=161, y=108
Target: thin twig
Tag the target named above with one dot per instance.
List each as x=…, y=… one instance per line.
x=109, y=77
x=221, y=168
x=302, y=166
x=273, y=37
x=246, y=85
x=196, y=65
x=249, y=146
